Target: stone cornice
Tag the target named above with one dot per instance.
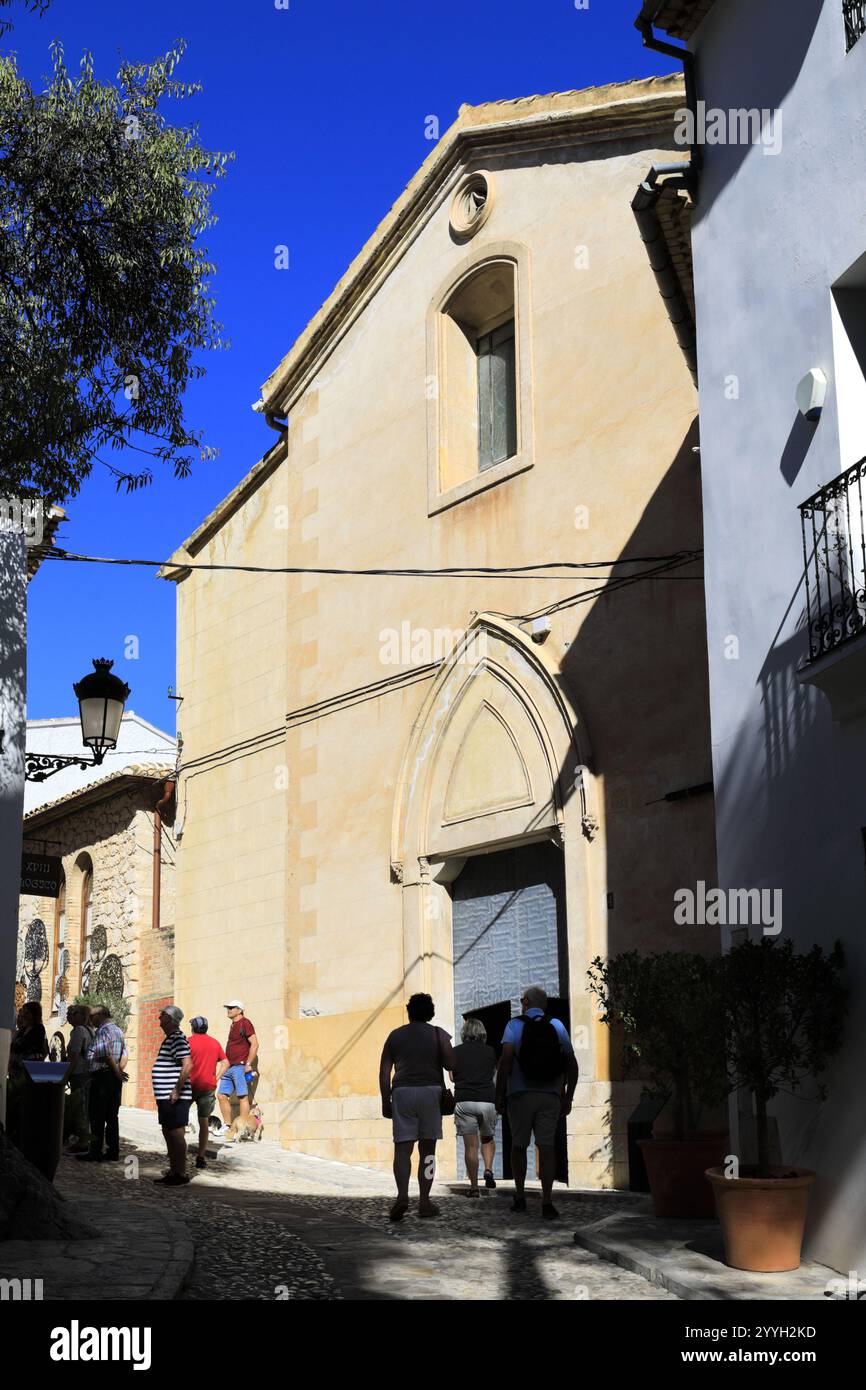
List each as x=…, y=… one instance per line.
x=620, y=110
x=176, y=568
x=617, y=111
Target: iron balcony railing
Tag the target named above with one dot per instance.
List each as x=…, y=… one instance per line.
x=834, y=556
x=855, y=21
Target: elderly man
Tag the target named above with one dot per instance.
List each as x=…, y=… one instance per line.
x=108, y=1058
x=173, y=1093
x=536, y=1080
x=242, y=1050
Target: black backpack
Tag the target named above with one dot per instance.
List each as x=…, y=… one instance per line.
x=540, y=1052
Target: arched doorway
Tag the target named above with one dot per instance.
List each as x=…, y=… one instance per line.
x=491, y=828
x=509, y=930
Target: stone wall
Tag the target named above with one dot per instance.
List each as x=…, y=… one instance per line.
x=115, y=836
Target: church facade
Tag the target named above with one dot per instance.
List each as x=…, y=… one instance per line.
x=438, y=736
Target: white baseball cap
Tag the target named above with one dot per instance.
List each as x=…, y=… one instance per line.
x=234, y=1004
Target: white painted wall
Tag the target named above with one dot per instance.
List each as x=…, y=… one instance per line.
x=138, y=743
x=772, y=236
x=13, y=629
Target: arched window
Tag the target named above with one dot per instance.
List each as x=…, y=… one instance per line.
x=59, y=941
x=86, y=922
x=478, y=341
x=479, y=378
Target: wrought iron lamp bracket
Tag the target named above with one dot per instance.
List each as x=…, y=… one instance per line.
x=39, y=766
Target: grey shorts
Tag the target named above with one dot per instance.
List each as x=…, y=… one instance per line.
x=415, y=1113
x=204, y=1103
x=476, y=1117
x=533, y=1112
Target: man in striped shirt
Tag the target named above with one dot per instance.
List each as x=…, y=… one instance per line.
x=173, y=1093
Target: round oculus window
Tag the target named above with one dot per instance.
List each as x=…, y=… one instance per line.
x=471, y=204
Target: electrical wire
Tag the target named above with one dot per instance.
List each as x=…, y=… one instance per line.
x=660, y=567
x=271, y=738
x=446, y=572
x=602, y=590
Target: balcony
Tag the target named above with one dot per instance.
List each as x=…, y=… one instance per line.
x=855, y=21
x=834, y=559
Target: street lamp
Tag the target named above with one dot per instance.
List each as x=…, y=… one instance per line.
x=101, y=700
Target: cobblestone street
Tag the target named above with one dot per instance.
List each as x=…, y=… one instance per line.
x=269, y=1224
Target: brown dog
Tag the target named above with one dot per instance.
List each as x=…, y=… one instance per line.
x=251, y=1128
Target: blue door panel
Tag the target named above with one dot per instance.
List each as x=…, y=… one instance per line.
x=508, y=932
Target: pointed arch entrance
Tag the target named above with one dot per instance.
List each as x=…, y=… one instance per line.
x=496, y=761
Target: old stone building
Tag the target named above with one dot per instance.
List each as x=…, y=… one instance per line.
x=138, y=742
x=111, y=929
x=458, y=775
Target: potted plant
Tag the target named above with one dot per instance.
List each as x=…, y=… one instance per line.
x=784, y=1016
x=666, y=1009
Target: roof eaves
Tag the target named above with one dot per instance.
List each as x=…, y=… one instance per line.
x=679, y=18
x=616, y=109
x=663, y=212
x=177, y=567
x=36, y=553
x=135, y=775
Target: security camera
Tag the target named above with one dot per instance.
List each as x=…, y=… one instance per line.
x=539, y=629
x=258, y=406
x=811, y=395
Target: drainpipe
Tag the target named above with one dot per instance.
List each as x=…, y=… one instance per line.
x=644, y=25
x=280, y=426
x=158, y=811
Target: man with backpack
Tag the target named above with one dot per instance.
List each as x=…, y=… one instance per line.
x=536, y=1078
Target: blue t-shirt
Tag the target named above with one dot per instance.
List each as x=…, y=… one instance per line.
x=513, y=1033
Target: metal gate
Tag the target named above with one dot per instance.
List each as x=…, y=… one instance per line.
x=508, y=924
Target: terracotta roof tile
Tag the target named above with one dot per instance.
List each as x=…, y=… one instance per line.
x=679, y=18
x=145, y=772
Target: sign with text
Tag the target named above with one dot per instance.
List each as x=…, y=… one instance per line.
x=41, y=875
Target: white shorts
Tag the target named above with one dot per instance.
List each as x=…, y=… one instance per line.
x=416, y=1113
x=476, y=1117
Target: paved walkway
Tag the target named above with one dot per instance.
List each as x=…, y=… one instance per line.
x=688, y=1258
x=142, y=1253
x=270, y=1224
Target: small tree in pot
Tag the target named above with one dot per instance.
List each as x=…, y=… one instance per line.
x=666, y=1007
x=784, y=1018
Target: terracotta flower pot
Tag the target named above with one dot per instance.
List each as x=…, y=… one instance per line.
x=676, y=1168
x=763, y=1219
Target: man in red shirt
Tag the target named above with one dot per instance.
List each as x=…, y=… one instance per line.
x=242, y=1050
x=208, y=1064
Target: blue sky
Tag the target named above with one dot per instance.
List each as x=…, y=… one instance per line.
x=324, y=105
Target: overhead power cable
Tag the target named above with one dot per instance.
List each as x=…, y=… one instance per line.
x=446, y=572
x=611, y=586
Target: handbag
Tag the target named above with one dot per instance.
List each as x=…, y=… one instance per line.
x=447, y=1103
